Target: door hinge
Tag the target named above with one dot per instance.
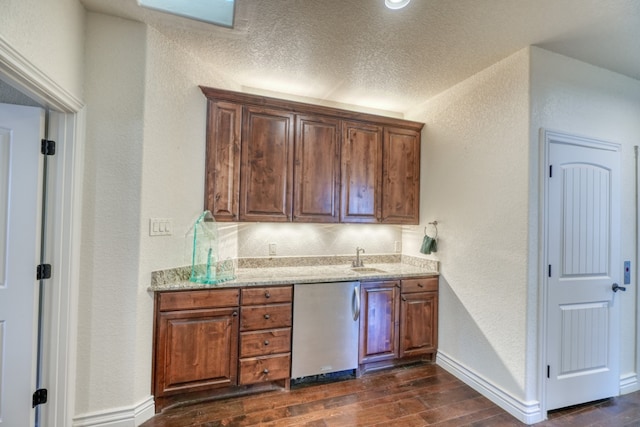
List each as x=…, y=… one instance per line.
x=39, y=397
x=48, y=147
x=43, y=271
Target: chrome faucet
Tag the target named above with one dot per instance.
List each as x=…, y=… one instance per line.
x=358, y=262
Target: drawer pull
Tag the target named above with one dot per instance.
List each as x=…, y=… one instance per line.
x=266, y=371
x=266, y=342
x=420, y=285
x=266, y=316
x=267, y=294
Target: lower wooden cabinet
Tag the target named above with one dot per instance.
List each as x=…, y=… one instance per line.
x=419, y=317
x=379, y=321
x=224, y=341
x=398, y=322
x=196, y=342
x=265, y=338
x=219, y=341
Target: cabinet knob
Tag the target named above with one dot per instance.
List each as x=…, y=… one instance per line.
x=420, y=285
x=404, y=298
x=266, y=316
x=266, y=342
x=235, y=313
x=267, y=294
x=266, y=371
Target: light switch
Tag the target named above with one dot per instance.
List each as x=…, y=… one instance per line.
x=160, y=226
x=272, y=249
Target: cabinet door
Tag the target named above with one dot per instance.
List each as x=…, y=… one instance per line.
x=361, y=159
x=401, y=176
x=267, y=160
x=222, y=179
x=379, y=321
x=196, y=350
x=418, y=323
x=316, y=170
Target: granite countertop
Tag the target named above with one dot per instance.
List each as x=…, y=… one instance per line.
x=260, y=276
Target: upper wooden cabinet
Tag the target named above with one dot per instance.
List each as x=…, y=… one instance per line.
x=361, y=172
x=273, y=160
x=400, y=176
x=316, y=169
x=222, y=177
x=266, y=174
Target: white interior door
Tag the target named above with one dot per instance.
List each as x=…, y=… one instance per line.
x=583, y=250
x=21, y=129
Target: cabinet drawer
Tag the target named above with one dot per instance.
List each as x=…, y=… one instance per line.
x=192, y=300
x=419, y=285
x=267, y=368
x=262, y=343
x=267, y=295
x=265, y=317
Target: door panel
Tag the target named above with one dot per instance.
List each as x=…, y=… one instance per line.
x=584, y=256
x=267, y=159
x=21, y=129
x=317, y=170
x=361, y=172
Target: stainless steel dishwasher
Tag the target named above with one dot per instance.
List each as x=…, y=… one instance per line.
x=325, y=328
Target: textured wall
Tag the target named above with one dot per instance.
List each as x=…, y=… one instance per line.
x=574, y=97
x=474, y=182
x=50, y=35
x=115, y=76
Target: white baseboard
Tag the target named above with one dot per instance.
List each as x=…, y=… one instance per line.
x=527, y=412
x=119, y=417
x=629, y=383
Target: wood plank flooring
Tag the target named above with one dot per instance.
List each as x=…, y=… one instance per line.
x=419, y=395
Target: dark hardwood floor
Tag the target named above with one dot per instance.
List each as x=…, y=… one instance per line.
x=419, y=395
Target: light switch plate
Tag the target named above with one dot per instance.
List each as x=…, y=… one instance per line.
x=272, y=249
x=160, y=226
x=397, y=246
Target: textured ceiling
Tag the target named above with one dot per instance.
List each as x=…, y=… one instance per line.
x=361, y=53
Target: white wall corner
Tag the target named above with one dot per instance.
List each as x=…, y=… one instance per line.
x=629, y=383
x=131, y=416
x=528, y=412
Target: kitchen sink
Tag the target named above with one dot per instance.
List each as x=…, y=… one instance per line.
x=367, y=270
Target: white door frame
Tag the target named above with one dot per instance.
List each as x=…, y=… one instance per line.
x=67, y=122
x=545, y=136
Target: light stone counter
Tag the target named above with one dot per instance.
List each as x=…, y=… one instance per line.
x=260, y=276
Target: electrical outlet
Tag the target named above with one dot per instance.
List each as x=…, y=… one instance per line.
x=397, y=246
x=272, y=249
x=160, y=226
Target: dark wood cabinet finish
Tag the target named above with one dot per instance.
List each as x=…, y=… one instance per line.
x=222, y=177
x=361, y=162
x=195, y=342
x=308, y=163
x=317, y=169
x=379, y=321
x=419, y=317
x=267, y=165
x=265, y=340
x=401, y=176
x=398, y=322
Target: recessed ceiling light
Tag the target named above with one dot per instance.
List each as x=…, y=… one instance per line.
x=396, y=4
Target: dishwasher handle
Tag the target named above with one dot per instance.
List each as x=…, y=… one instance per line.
x=355, y=303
